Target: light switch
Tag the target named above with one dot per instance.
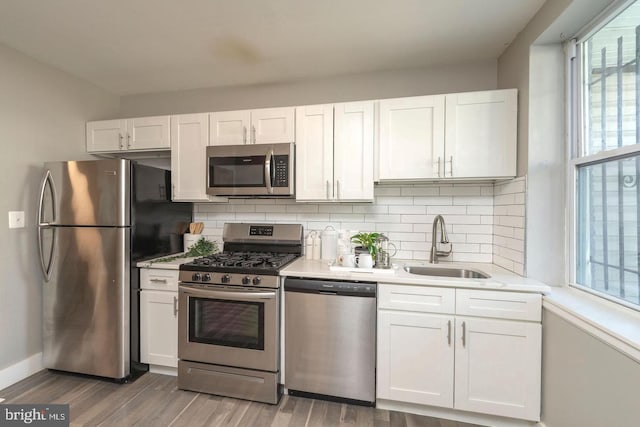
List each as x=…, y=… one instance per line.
x=16, y=219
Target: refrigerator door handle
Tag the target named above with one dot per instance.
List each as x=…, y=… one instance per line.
x=47, y=267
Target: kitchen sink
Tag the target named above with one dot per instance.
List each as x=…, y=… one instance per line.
x=446, y=272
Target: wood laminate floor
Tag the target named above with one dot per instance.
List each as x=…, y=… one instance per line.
x=154, y=400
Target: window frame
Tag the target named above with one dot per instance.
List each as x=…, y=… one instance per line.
x=576, y=105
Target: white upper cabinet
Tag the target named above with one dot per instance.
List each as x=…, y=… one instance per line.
x=264, y=126
x=481, y=134
x=411, y=137
x=469, y=135
x=189, y=138
x=229, y=127
x=273, y=125
x=334, y=152
x=314, y=152
x=143, y=134
x=353, y=151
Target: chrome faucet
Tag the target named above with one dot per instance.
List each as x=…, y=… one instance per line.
x=435, y=253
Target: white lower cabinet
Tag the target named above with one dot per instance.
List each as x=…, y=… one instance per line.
x=415, y=358
x=159, y=317
x=472, y=363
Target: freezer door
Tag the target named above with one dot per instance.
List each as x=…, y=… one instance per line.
x=86, y=302
x=92, y=192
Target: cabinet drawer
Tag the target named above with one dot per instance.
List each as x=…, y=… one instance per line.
x=500, y=305
x=159, y=279
x=416, y=298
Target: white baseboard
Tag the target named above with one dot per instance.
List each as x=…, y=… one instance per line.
x=164, y=370
x=20, y=370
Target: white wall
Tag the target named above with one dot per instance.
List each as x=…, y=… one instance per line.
x=385, y=84
x=42, y=117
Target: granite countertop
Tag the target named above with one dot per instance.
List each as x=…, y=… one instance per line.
x=500, y=280
x=167, y=265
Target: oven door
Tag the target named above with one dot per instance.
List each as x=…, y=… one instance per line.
x=250, y=170
x=231, y=326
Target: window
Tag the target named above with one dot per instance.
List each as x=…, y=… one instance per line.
x=605, y=165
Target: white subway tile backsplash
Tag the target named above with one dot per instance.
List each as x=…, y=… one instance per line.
x=387, y=200
x=481, y=227
x=415, y=190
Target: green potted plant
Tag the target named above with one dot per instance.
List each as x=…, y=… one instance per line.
x=366, y=241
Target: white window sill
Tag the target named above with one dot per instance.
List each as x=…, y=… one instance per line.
x=615, y=325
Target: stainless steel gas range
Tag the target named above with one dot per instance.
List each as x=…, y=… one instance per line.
x=229, y=313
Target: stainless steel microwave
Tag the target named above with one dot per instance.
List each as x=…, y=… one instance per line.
x=251, y=170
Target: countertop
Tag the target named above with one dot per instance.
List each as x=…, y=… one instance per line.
x=167, y=265
x=500, y=280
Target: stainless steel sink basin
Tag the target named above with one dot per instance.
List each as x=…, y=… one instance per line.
x=464, y=273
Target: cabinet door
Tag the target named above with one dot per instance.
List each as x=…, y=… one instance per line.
x=498, y=367
x=106, y=135
x=273, y=125
x=189, y=137
x=148, y=133
x=353, y=151
x=481, y=134
x=229, y=127
x=314, y=152
x=411, y=137
x=159, y=328
x=415, y=358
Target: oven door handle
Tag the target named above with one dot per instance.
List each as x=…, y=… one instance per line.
x=210, y=293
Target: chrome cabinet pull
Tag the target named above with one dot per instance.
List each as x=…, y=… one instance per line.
x=175, y=306
x=339, y=192
x=128, y=140
x=438, y=164
x=158, y=280
x=328, y=197
x=244, y=134
x=121, y=141
x=451, y=164
x=253, y=131
x=464, y=333
x=449, y=332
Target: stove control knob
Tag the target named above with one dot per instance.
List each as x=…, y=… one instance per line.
x=246, y=280
x=226, y=278
x=196, y=277
x=206, y=277
x=257, y=280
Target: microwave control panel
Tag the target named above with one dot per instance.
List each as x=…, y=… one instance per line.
x=281, y=171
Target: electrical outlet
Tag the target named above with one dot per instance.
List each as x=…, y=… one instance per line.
x=16, y=219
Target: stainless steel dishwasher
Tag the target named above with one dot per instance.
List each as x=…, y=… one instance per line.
x=330, y=339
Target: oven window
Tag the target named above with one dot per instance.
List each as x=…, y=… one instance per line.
x=236, y=171
x=227, y=323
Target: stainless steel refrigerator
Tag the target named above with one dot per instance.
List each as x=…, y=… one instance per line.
x=96, y=219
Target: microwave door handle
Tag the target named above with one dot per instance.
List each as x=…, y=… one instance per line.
x=267, y=171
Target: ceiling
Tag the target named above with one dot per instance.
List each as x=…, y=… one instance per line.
x=141, y=46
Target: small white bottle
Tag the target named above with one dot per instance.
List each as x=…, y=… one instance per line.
x=308, y=246
x=316, y=247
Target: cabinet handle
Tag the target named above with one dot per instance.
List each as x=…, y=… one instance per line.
x=449, y=332
x=244, y=134
x=128, y=140
x=438, y=162
x=451, y=164
x=328, y=189
x=158, y=280
x=253, y=136
x=175, y=306
x=339, y=192
x=464, y=333
x=121, y=141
